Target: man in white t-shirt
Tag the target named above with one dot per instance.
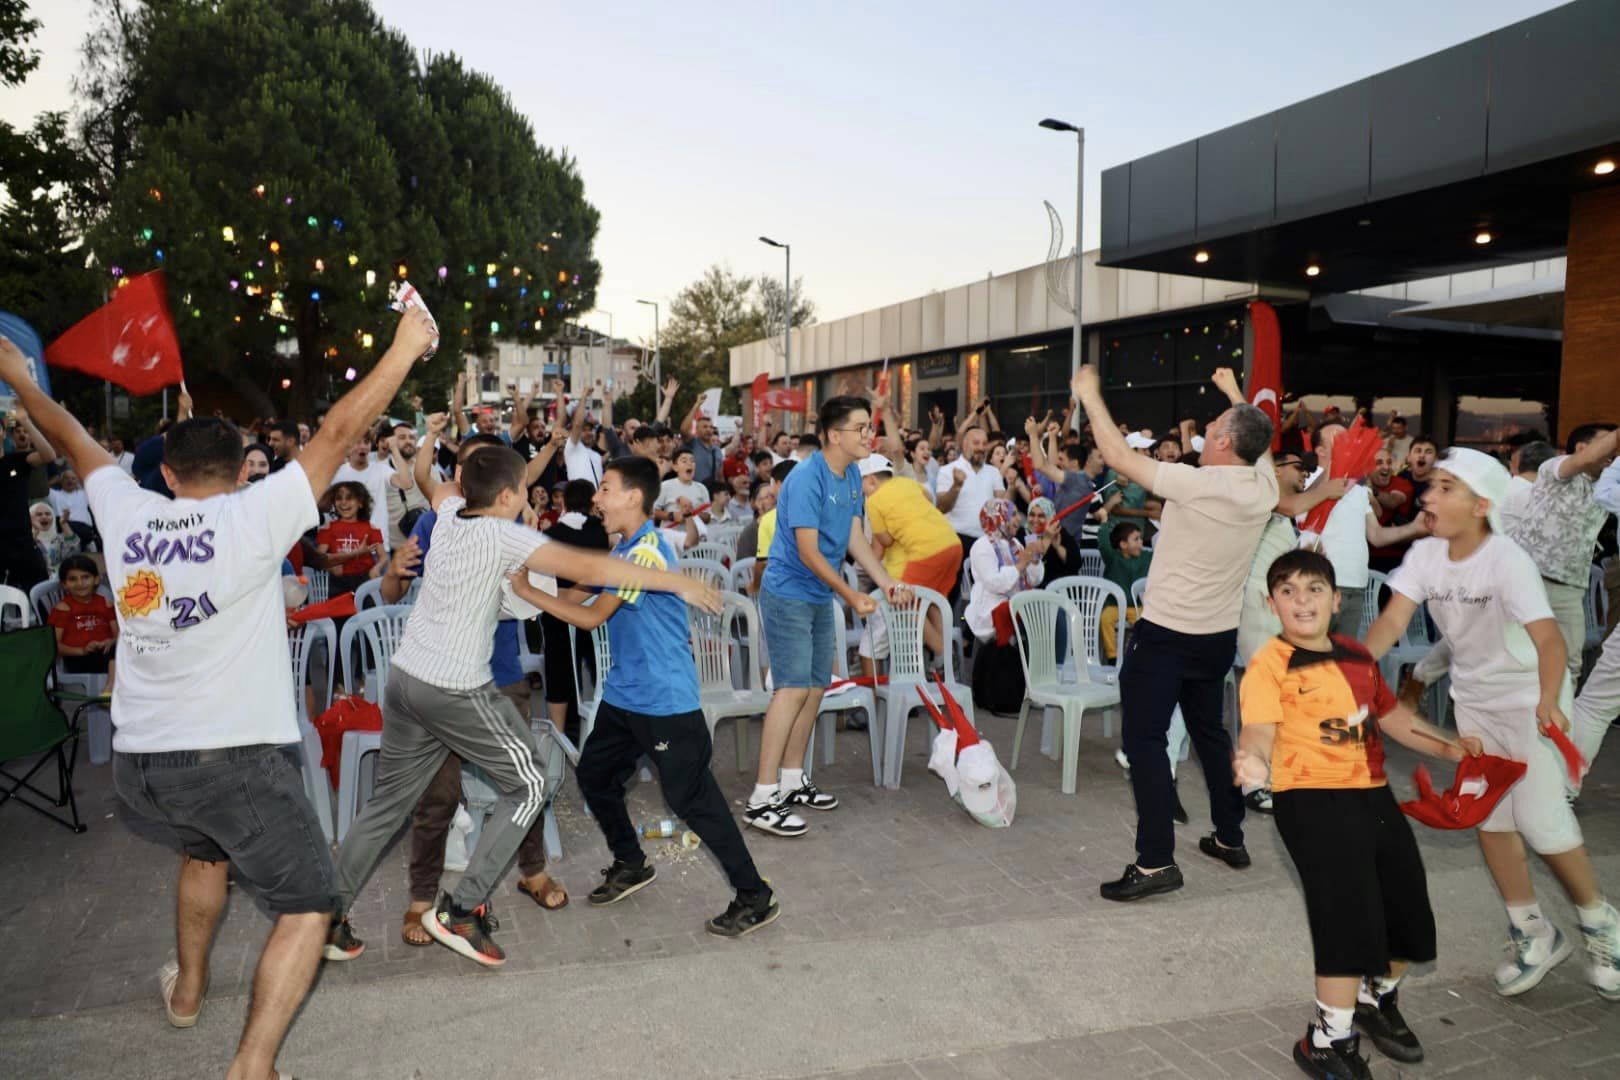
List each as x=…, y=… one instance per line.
x=372, y=472
x=683, y=485
x=1523, y=466
x=207, y=729
x=963, y=487
x=580, y=457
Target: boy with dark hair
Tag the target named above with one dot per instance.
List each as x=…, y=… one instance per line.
x=1508, y=686
x=1315, y=711
x=650, y=707
x=440, y=697
x=1125, y=562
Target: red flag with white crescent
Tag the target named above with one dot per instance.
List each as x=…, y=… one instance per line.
x=129, y=340
x=1265, y=371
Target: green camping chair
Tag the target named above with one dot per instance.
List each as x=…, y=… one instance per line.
x=33, y=723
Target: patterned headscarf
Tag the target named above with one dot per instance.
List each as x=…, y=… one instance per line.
x=994, y=516
x=1042, y=505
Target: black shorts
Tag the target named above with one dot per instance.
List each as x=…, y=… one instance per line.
x=1366, y=895
x=242, y=804
x=89, y=663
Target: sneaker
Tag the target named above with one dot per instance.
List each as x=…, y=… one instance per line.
x=620, y=880
x=744, y=916
x=1532, y=958
x=1341, y=1060
x=1135, y=884
x=1121, y=760
x=1603, y=957
x=807, y=794
x=341, y=944
x=1235, y=857
x=775, y=818
x=1177, y=811
x=1388, y=1030
x=1259, y=800
x=467, y=934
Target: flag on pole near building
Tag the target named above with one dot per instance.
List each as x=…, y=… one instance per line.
x=1265, y=371
x=768, y=397
x=129, y=340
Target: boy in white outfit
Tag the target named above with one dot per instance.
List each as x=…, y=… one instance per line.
x=1508, y=684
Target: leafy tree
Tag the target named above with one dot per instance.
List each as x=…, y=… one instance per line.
x=285, y=162
x=17, y=27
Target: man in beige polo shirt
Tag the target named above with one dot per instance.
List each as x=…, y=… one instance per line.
x=1184, y=643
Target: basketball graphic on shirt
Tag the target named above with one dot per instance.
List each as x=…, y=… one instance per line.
x=141, y=594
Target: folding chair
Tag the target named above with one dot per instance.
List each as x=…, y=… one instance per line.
x=33, y=723
x=1035, y=615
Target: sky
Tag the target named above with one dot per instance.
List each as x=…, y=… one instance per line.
x=893, y=145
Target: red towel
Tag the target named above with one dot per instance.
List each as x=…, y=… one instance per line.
x=337, y=607
x=346, y=714
x=1452, y=809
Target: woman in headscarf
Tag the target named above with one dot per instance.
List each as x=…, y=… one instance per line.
x=1001, y=566
x=1062, y=558
x=56, y=541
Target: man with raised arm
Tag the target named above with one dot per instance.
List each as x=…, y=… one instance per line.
x=205, y=750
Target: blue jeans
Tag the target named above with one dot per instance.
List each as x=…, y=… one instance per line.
x=799, y=641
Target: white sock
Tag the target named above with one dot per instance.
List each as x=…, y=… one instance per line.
x=792, y=779
x=1529, y=920
x=763, y=793
x=1599, y=914
x=1372, y=990
x=1331, y=1024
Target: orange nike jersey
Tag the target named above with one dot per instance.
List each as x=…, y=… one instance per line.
x=1325, y=706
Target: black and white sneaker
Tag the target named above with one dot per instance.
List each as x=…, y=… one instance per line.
x=1259, y=800
x=620, y=880
x=807, y=794
x=776, y=817
x=1387, y=1028
x=1340, y=1060
x=744, y=915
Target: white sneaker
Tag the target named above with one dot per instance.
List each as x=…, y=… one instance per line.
x=1603, y=957
x=776, y=818
x=1121, y=760
x=1533, y=957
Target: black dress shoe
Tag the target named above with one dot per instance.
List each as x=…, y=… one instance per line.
x=1136, y=884
x=1235, y=857
x=1177, y=811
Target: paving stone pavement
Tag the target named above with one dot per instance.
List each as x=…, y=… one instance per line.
x=87, y=920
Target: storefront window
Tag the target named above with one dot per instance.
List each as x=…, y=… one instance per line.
x=1155, y=378
x=1028, y=379
x=1487, y=423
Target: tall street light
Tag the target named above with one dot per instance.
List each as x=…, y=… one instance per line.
x=1079, y=209
x=658, y=371
x=787, y=311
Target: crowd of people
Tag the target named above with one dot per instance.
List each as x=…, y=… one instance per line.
x=194, y=528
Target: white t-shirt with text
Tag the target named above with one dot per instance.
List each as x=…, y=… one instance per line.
x=202, y=646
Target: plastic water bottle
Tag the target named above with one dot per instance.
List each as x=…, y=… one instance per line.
x=294, y=591
x=659, y=829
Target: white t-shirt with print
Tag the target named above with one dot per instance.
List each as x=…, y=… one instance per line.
x=376, y=478
x=1481, y=605
x=450, y=634
x=202, y=646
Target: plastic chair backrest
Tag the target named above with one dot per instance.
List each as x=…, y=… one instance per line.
x=1035, y=615
x=47, y=594
x=711, y=639
x=706, y=570
x=1597, y=604
x=368, y=595
x=300, y=639
x=725, y=535
x=1091, y=563
x=1089, y=595
x=840, y=640
x=711, y=551
x=742, y=574
x=1139, y=593
x=15, y=598
x=320, y=586
x=906, y=659
x=1369, y=608
x=378, y=630
x=603, y=650
x=33, y=723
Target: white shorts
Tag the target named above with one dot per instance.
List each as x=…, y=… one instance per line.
x=1535, y=808
x=874, y=643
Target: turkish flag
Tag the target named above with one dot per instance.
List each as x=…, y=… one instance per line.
x=129, y=340
x=767, y=398
x=1265, y=373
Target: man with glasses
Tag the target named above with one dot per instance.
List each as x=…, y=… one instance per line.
x=818, y=522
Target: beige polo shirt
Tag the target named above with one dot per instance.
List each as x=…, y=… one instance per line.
x=1212, y=521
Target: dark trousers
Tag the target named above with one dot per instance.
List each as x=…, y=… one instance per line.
x=967, y=548
x=430, y=822
x=1163, y=669
x=679, y=746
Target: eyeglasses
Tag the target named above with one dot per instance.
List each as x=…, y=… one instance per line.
x=859, y=429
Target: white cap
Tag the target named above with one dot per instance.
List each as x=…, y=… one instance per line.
x=1485, y=476
x=872, y=464
x=1138, y=441
x=1198, y=444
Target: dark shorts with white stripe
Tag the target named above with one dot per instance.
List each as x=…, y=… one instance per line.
x=422, y=723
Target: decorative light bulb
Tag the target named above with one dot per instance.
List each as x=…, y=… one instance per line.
x=228, y=234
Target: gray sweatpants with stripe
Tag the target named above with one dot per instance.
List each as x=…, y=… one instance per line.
x=421, y=724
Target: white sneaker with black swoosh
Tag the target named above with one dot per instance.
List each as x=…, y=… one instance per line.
x=775, y=817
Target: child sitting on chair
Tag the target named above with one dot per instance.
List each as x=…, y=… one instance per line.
x=86, y=628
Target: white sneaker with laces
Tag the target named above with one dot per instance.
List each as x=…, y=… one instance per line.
x=1603, y=956
x=776, y=818
x=1533, y=957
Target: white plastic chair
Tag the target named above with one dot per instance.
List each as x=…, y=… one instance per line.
x=10, y=598
x=742, y=575
x=718, y=693
x=354, y=779
x=1597, y=608
x=300, y=644
x=1035, y=614
x=847, y=700
x=532, y=663
x=712, y=551
x=1369, y=602
x=320, y=585
x=98, y=718
x=1138, y=594
x=589, y=695
x=708, y=570
x=908, y=669
x=1090, y=595
x=368, y=595
x=367, y=647
x=1091, y=562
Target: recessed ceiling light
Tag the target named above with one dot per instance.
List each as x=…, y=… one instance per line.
x=1482, y=237
x=1604, y=167
x=1201, y=257
x=1364, y=222
x=1312, y=270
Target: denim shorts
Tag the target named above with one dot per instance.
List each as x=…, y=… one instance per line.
x=241, y=804
x=798, y=639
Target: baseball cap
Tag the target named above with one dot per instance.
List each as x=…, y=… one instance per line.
x=977, y=774
x=872, y=464
x=1484, y=475
x=1138, y=441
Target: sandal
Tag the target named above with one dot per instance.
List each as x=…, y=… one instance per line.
x=541, y=896
x=412, y=929
x=168, y=976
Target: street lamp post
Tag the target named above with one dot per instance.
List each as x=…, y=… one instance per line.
x=1079, y=209
x=658, y=371
x=787, y=310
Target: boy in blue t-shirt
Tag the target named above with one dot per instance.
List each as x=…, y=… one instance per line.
x=817, y=522
x=650, y=706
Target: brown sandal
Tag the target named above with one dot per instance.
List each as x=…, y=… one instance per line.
x=413, y=923
x=541, y=896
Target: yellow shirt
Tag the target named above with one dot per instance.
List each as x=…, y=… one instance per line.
x=900, y=507
x=767, y=533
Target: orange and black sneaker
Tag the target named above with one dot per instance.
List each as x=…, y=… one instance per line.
x=341, y=944
x=468, y=934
